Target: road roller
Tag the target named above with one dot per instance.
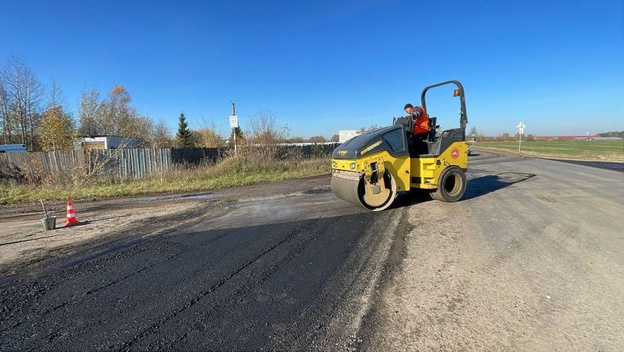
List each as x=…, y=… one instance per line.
x=370, y=169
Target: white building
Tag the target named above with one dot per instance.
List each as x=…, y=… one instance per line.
x=345, y=135
x=108, y=142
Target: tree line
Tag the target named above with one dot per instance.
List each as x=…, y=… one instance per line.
x=612, y=134
x=38, y=116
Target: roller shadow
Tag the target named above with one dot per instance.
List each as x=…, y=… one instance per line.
x=476, y=187
x=405, y=199
x=483, y=185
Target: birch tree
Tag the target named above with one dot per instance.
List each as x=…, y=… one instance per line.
x=56, y=131
x=116, y=111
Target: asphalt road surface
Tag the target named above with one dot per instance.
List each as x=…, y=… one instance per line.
x=531, y=259
x=279, y=272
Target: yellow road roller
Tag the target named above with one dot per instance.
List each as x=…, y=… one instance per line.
x=370, y=169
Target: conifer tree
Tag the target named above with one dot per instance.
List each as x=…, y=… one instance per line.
x=183, y=137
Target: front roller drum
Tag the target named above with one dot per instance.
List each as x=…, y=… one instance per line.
x=355, y=189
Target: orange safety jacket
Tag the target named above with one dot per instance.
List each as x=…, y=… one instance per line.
x=421, y=124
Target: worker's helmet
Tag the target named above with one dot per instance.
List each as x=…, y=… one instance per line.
x=408, y=105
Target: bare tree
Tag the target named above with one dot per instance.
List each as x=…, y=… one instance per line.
x=208, y=136
x=6, y=116
x=161, y=137
x=371, y=128
x=56, y=97
x=24, y=94
x=116, y=111
x=137, y=127
x=263, y=128
x=89, y=113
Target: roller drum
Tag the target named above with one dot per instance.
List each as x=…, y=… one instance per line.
x=351, y=187
x=348, y=188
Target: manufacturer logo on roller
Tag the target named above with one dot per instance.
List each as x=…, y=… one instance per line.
x=371, y=147
x=455, y=153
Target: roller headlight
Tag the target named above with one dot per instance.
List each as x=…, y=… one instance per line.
x=352, y=166
x=334, y=164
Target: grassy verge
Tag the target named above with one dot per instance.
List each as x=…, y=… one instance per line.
x=229, y=172
x=612, y=150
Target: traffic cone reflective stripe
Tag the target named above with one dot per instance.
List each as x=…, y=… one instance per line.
x=71, y=216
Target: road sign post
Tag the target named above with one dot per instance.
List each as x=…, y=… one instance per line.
x=520, y=132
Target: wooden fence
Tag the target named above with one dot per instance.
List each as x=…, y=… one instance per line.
x=122, y=163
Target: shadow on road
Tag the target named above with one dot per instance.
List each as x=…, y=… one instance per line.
x=405, y=199
x=476, y=187
x=490, y=183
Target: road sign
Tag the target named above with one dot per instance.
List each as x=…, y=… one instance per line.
x=233, y=121
x=521, y=127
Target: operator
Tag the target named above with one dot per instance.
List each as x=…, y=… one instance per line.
x=420, y=118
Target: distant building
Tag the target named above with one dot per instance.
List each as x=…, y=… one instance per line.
x=345, y=135
x=108, y=142
x=12, y=148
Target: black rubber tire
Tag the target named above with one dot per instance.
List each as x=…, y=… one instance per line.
x=433, y=195
x=451, y=185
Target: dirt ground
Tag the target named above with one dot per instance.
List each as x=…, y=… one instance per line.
x=24, y=245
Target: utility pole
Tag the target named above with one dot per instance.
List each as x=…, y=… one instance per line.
x=234, y=126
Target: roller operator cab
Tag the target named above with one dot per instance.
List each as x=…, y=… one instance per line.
x=369, y=170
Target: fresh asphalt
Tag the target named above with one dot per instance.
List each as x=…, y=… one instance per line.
x=279, y=273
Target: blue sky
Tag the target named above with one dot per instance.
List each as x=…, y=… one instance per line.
x=323, y=66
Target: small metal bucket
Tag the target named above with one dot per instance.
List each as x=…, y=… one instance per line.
x=49, y=223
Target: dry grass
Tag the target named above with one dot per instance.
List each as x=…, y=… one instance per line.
x=612, y=150
x=262, y=166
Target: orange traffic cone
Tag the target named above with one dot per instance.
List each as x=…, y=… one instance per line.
x=71, y=217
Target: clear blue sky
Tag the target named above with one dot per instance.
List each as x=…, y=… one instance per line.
x=322, y=66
